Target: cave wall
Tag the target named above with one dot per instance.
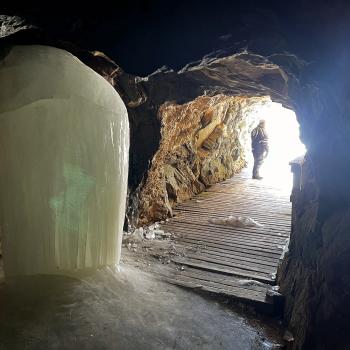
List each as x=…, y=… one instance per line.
x=313, y=277
x=202, y=142
x=165, y=112
x=149, y=101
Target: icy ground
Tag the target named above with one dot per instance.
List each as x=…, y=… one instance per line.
x=130, y=309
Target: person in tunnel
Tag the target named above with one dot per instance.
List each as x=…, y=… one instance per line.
x=260, y=147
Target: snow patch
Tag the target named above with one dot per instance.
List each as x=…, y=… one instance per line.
x=236, y=221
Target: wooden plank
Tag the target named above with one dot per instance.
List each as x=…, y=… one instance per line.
x=204, y=220
x=236, y=261
x=242, y=260
x=233, y=201
x=240, y=295
x=259, y=276
x=243, y=256
x=223, y=231
x=247, y=201
x=223, y=279
x=234, y=289
x=213, y=214
x=231, y=248
x=244, y=230
x=225, y=212
x=261, y=294
x=233, y=263
x=261, y=217
x=267, y=228
x=224, y=253
x=255, y=246
x=251, y=246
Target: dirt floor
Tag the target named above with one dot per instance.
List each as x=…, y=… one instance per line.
x=126, y=309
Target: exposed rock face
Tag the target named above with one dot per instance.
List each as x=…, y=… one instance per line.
x=168, y=112
x=227, y=73
x=315, y=274
x=315, y=277
x=213, y=76
x=12, y=24
x=201, y=143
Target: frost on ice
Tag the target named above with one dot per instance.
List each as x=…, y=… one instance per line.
x=64, y=140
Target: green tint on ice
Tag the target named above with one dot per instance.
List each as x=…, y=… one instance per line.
x=68, y=206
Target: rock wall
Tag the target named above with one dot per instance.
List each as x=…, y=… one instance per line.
x=170, y=164
x=168, y=112
x=202, y=142
x=315, y=275
x=222, y=73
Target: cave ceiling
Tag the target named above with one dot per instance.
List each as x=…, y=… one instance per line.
x=142, y=36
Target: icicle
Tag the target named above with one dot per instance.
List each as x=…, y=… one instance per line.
x=64, y=140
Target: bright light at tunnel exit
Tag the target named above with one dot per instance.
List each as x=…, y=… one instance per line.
x=284, y=144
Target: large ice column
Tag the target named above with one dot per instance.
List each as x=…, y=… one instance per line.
x=64, y=139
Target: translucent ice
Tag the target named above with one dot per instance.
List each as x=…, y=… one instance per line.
x=64, y=140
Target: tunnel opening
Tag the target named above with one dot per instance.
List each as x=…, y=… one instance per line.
x=315, y=277
x=285, y=146
x=199, y=192
x=207, y=140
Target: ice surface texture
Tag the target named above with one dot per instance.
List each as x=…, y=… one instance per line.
x=64, y=139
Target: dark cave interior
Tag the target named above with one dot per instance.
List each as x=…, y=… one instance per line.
x=223, y=52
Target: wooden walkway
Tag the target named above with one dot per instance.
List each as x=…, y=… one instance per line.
x=239, y=262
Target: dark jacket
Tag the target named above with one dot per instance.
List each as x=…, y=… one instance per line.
x=260, y=140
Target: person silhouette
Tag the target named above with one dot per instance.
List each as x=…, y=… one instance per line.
x=260, y=147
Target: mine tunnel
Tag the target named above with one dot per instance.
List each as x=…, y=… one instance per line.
x=129, y=214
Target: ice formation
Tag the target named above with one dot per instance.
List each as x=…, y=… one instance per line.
x=235, y=221
x=64, y=139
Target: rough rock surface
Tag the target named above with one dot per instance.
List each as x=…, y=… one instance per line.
x=161, y=105
x=239, y=74
x=202, y=142
x=314, y=277
x=166, y=98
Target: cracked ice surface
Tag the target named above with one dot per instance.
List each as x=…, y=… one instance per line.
x=64, y=139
